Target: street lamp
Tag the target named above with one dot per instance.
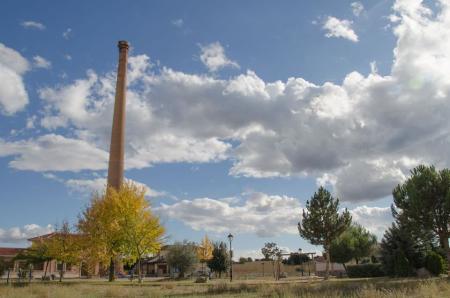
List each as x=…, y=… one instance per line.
x=230, y=238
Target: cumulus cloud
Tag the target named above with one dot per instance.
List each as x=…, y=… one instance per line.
x=41, y=62
x=13, y=95
x=376, y=219
x=361, y=135
x=357, y=8
x=262, y=214
x=214, y=58
x=54, y=153
x=21, y=234
x=33, y=25
x=339, y=29
x=89, y=186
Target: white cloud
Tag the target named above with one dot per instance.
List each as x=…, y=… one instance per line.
x=339, y=29
x=41, y=62
x=357, y=8
x=67, y=33
x=21, y=234
x=262, y=214
x=214, y=58
x=13, y=95
x=31, y=122
x=375, y=219
x=54, y=153
x=369, y=128
x=33, y=25
x=246, y=253
x=178, y=23
x=68, y=57
x=89, y=186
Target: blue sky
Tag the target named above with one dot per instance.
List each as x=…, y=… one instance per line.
x=237, y=110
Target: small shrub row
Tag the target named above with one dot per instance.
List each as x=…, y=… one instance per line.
x=365, y=270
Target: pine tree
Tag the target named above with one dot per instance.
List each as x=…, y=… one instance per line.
x=322, y=223
x=422, y=205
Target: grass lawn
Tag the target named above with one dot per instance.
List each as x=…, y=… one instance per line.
x=373, y=287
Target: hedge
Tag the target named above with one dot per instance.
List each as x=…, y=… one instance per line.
x=365, y=270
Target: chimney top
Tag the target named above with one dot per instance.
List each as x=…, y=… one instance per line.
x=123, y=44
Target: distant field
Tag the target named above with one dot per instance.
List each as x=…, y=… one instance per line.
x=376, y=287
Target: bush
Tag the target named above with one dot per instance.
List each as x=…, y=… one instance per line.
x=365, y=270
x=435, y=263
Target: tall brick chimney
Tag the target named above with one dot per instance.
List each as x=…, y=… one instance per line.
x=117, y=147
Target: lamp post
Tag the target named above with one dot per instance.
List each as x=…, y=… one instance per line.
x=230, y=238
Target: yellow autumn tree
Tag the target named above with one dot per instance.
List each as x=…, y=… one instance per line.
x=120, y=223
x=101, y=231
x=140, y=230
x=63, y=245
x=205, y=250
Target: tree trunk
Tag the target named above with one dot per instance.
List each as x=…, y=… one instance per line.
x=45, y=270
x=139, y=270
x=345, y=268
x=61, y=272
x=112, y=276
x=327, y=267
x=7, y=277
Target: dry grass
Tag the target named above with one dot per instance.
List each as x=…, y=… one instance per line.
x=384, y=288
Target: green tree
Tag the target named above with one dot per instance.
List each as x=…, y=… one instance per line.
x=182, y=256
x=321, y=222
x=220, y=261
x=3, y=266
x=422, y=204
x=6, y=265
x=296, y=259
x=355, y=243
x=401, y=254
x=38, y=253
